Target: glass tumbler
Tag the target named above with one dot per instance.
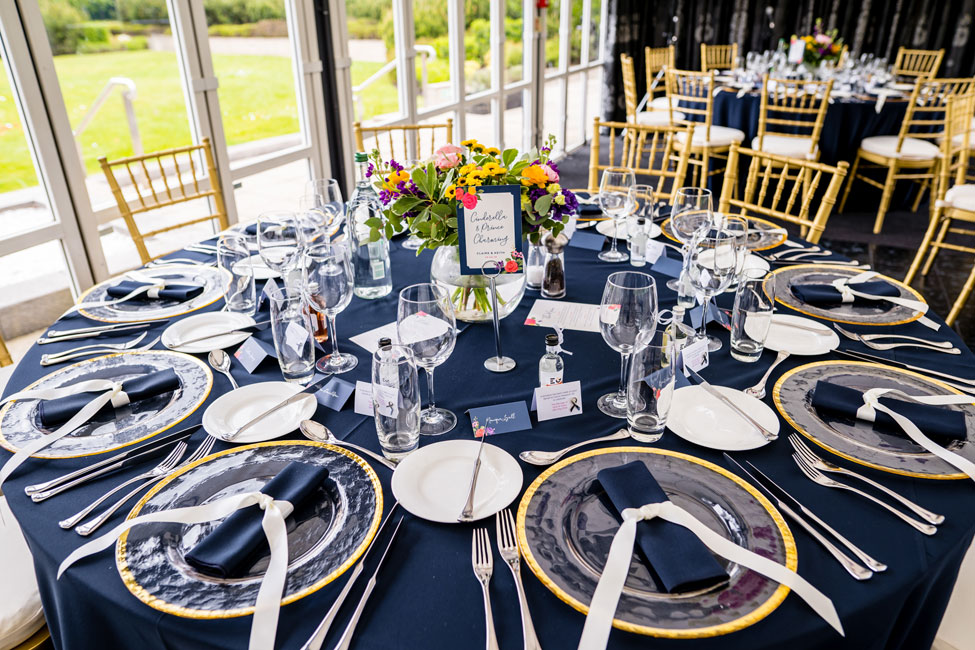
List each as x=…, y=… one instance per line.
x=650, y=391
x=293, y=339
x=234, y=257
x=752, y=315
x=396, y=400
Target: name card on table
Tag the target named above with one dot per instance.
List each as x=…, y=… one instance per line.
x=363, y=398
x=587, y=240
x=797, y=49
x=668, y=266
x=252, y=352
x=489, y=228
x=500, y=418
x=295, y=336
x=558, y=400
x=565, y=315
x=695, y=356
x=262, y=299
x=335, y=393
x=369, y=341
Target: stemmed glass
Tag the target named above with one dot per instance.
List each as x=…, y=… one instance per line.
x=738, y=227
x=627, y=319
x=328, y=288
x=712, y=266
x=425, y=323
x=323, y=197
x=615, y=201
x=279, y=242
x=412, y=242
x=690, y=215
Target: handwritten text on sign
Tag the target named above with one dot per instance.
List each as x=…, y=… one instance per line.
x=491, y=230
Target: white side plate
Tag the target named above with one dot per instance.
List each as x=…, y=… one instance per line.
x=701, y=418
x=240, y=406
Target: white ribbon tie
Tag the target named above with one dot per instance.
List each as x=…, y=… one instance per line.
x=849, y=295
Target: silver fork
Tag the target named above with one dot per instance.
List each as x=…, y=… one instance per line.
x=54, y=357
x=103, y=350
x=508, y=547
x=168, y=463
x=824, y=465
x=816, y=476
x=864, y=338
x=483, y=560
x=202, y=450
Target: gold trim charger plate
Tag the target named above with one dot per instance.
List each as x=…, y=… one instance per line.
x=214, y=281
x=762, y=234
x=20, y=422
x=326, y=534
x=565, y=529
x=869, y=312
x=889, y=450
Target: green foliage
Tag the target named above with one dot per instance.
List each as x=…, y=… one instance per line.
x=142, y=10
x=60, y=21
x=239, y=12
x=477, y=40
x=367, y=9
x=363, y=28
x=429, y=18
x=96, y=9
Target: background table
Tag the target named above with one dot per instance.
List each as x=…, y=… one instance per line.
x=427, y=596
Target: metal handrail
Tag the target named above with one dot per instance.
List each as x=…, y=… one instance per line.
x=427, y=52
x=128, y=95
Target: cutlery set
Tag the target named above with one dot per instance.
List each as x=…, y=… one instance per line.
x=98, y=349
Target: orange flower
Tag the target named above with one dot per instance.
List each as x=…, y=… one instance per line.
x=534, y=175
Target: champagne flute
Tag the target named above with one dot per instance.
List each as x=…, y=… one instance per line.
x=615, y=201
x=324, y=195
x=627, y=319
x=328, y=288
x=425, y=323
x=690, y=216
x=712, y=266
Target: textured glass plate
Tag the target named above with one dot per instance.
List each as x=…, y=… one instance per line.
x=565, y=531
x=857, y=440
x=879, y=312
x=325, y=536
x=214, y=281
x=20, y=422
x=762, y=234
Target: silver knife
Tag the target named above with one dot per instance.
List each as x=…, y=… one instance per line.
x=768, y=435
x=468, y=511
x=318, y=637
x=901, y=364
x=55, y=336
x=346, y=639
x=304, y=392
x=247, y=329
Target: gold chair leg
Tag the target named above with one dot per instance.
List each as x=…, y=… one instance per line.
x=925, y=243
x=936, y=245
x=849, y=182
x=885, y=197
x=705, y=168
x=962, y=298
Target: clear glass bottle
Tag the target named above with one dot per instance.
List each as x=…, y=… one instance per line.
x=370, y=260
x=638, y=242
x=550, y=366
x=553, y=279
x=534, y=266
x=677, y=331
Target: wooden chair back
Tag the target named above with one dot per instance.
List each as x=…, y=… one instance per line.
x=917, y=64
x=630, y=100
x=844, y=55
x=403, y=142
x=955, y=145
x=5, y=358
x=718, y=57
x=162, y=179
x=783, y=189
x=926, y=113
x=650, y=151
x=691, y=93
x=793, y=109
x=658, y=59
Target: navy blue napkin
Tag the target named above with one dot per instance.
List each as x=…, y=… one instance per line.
x=827, y=294
x=678, y=560
x=931, y=420
x=588, y=209
x=180, y=292
x=233, y=546
x=58, y=411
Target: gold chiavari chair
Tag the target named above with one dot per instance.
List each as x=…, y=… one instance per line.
x=955, y=199
x=395, y=142
x=771, y=192
x=911, y=154
x=658, y=60
x=160, y=180
x=631, y=102
x=693, y=92
x=844, y=55
x=718, y=57
x=791, y=117
x=917, y=64
x=5, y=358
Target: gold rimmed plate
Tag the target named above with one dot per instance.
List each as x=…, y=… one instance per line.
x=565, y=530
x=860, y=441
x=762, y=234
x=326, y=534
x=20, y=422
x=861, y=312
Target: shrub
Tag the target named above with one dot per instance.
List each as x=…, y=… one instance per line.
x=367, y=9
x=60, y=19
x=96, y=9
x=363, y=28
x=231, y=30
x=513, y=54
x=270, y=27
x=477, y=40
x=239, y=12
x=143, y=10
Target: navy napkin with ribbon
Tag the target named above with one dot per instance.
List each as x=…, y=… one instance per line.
x=233, y=546
x=827, y=294
x=678, y=560
x=58, y=411
x=180, y=292
x=588, y=209
x=931, y=420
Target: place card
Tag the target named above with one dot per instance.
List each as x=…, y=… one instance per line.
x=587, y=240
x=565, y=315
x=263, y=298
x=500, y=418
x=363, y=398
x=295, y=336
x=335, y=393
x=252, y=352
x=609, y=314
x=695, y=355
x=797, y=50
x=558, y=400
x=488, y=226
x=668, y=266
x=369, y=341
x=654, y=251
x=385, y=399
x=421, y=326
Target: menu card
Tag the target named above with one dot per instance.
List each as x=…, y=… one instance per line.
x=566, y=315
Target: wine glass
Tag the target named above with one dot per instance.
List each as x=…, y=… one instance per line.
x=614, y=200
x=737, y=226
x=324, y=196
x=690, y=215
x=627, y=319
x=278, y=241
x=712, y=265
x=328, y=288
x=425, y=323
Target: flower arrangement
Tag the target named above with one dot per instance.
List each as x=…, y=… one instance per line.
x=821, y=45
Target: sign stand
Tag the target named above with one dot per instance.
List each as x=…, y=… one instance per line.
x=499, y=363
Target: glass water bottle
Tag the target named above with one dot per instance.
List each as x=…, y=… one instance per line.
x=370, y=260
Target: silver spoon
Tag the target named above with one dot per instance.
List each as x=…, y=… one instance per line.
x=320, y=433
x=758, y=390
x=549, y=457
x=220, y=361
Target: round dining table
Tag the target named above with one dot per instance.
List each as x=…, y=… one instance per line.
x=427, y=595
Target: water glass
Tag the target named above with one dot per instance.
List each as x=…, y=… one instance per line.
x=615, y=201
x=396, y=400
x=650, y=391
x=324, y=197
x=234, y=257
x=293, y=339
x=711, y=267
x=278, y=241
x=690, y=216
x=752, y=316
x=327, y=287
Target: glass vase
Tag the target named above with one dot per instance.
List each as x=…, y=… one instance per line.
x=470, y=294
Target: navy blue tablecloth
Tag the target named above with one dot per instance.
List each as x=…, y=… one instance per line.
x=427, y=596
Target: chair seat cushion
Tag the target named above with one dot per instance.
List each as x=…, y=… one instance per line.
x=721, y=136
x=781, y=145
x=961, y=197
x=657, y=118
x=911, y=149
x=661, y=103
x=20, y=603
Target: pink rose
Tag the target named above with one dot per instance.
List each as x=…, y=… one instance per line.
x=822, y=38
x=553, y=176
x=470, y=201
x=447, y=156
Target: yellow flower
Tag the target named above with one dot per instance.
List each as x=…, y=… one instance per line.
x=468, y=143
x=449, y=191
x=477, y=147
x=395, y=178
x=468, y=168
x=534, y=175
x=492, y=169
x=554, y=188
x=560, y=199
x=492, y=151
